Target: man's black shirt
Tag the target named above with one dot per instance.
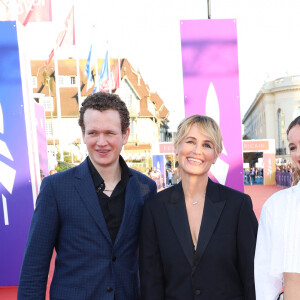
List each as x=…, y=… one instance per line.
x=113, y=206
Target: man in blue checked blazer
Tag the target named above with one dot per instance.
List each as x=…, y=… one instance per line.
x=90, y=215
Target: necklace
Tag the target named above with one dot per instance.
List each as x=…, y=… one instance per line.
x=196, y=202
x=108, y=190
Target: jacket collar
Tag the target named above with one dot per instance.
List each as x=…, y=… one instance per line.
x=176, y=209
x=87, y=192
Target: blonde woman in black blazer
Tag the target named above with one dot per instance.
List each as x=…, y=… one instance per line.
x=198, y=237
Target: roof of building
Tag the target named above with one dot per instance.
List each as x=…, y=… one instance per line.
x=69, y=95
x=142, y=90
x=163, y=112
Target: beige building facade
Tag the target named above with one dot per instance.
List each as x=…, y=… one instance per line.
x=148, y=114
x=275, y=106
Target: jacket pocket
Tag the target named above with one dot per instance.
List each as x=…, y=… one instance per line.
x=67, y=293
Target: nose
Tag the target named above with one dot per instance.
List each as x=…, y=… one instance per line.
x=197, y=148
x=101, y=141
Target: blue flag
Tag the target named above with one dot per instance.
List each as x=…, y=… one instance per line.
x=88, y=70
x=103, y=76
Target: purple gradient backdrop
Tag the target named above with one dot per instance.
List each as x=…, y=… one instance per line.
x=20, y=203
x=210, y=54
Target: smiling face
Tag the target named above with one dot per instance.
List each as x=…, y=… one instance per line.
x=294, y=144
x=103, y=137
x=196, y=153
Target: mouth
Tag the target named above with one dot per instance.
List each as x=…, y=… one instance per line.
x=102, y=152
x=195, y=160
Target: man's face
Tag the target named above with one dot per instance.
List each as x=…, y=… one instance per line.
x=103, y=137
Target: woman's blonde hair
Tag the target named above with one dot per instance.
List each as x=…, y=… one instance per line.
x=296, y=173
x=208, y=127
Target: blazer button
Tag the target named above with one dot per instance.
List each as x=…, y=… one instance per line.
x=114, y=258
x=197, y=292
x=109, y=289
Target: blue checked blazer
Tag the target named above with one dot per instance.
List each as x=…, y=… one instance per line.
x=68, y=217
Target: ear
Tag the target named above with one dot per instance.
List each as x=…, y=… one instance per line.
x=83, y=135
x=126, y=136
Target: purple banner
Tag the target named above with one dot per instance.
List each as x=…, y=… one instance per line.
x=211, y=87
x=158, y=173
x=16, y=194
x=284, y=178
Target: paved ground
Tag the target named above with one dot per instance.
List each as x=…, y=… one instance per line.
x=258, y=193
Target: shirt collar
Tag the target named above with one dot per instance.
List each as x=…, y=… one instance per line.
x=98, y=180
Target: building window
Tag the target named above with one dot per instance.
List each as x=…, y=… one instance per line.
x=49, y=127
x=47, y=103
x=34, y=82
x=73, y=80
x=61, y=80
x=67, y=81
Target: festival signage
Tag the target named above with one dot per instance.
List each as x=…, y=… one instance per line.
x=267, y=147
x=211, y=87
x=18, y=176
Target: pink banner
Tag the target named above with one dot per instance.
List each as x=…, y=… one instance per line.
x=211, y=87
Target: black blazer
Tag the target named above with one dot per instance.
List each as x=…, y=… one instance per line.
x=223, y=265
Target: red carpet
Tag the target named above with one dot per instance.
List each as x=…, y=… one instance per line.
x=258, y=193
x=10, y=292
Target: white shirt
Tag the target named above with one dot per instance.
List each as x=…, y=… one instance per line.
x=278, y=242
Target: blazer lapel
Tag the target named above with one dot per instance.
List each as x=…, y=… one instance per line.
x=176, y=209
x=85, y=187
x=213, y=207
x=131, y=195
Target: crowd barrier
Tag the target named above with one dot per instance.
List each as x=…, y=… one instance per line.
x=283, y=178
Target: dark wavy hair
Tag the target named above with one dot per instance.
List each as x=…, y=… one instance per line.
x=104, y=101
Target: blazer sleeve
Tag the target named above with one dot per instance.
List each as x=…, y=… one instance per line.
x=267, y=286
x=40, y=245
x=151, y=270
x=246, y=241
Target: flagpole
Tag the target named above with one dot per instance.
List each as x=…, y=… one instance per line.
x=208, y=9
x=96, y=53
x=78, y=78
x=77, y=65
x=109, y=81
x=78, y=81
x=119, y=62
x=58, y=105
